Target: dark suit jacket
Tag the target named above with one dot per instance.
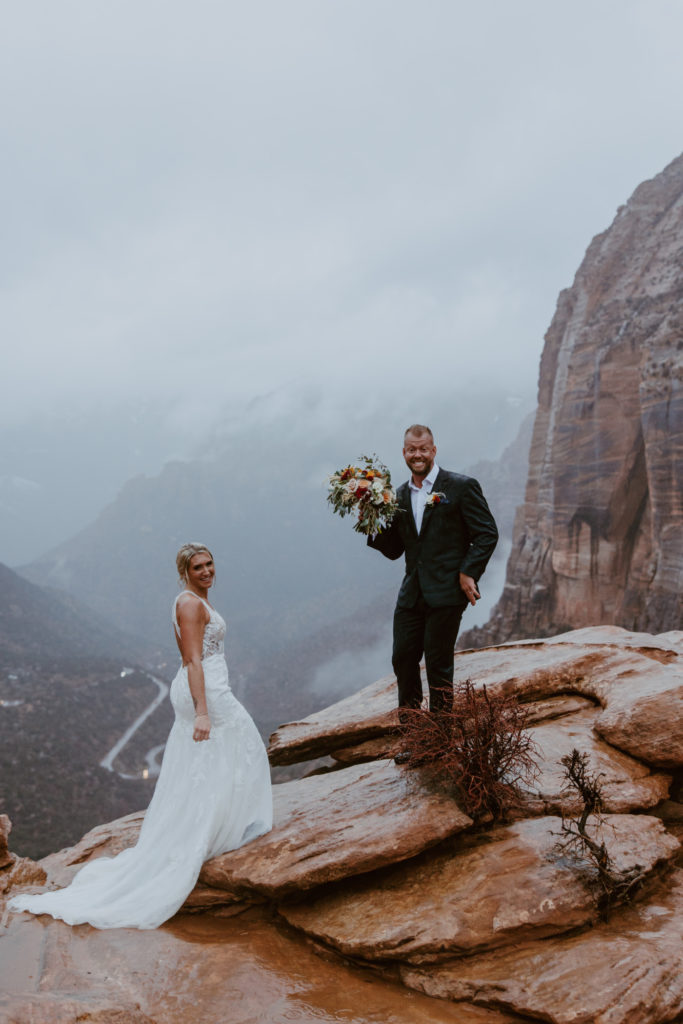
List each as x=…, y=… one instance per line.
x=457, y=535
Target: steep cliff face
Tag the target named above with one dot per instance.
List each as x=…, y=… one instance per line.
x=599, y=538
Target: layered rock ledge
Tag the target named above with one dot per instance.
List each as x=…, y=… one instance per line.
x=373, y=866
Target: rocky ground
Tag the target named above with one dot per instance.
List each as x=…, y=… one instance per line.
x=381, y=892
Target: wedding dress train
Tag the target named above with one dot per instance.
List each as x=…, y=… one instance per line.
x=210, y=797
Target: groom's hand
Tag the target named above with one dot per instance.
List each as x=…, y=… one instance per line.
x=469, y=588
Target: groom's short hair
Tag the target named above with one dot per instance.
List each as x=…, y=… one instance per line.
x=418, y=430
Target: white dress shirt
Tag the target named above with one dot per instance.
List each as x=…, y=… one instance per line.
x=419, y=495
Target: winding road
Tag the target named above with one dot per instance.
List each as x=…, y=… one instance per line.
x=152, y=755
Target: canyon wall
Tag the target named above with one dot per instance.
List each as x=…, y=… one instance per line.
x=599, y=538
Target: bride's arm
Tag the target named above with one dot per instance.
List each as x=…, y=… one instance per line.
x=192, y=620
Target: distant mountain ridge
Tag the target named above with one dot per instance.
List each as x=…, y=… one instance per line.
x=288, y=570
x=302, y=595
x=64, y=701
x=46, y=626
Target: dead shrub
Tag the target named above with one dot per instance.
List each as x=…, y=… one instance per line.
x=480, y=749
x=582, y=836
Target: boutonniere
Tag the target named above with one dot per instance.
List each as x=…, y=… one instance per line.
x=436, y=498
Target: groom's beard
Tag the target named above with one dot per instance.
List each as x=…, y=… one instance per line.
x=425, y=470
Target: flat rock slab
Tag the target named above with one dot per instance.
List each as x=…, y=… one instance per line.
x=508, y=886
x=371, y=713
x=626, y=971
x=620, y=637
x=364, y=715
x=331, y=826
x=390, y=744
x=197, y=970
x=627, y=784
x=103, y=841
x=637, y=679
x=218, y=901
x=67, y=1008
x=645, y=716
x=372, y=750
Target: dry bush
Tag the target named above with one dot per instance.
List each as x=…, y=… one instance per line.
x=480, y=749
x=612, y=884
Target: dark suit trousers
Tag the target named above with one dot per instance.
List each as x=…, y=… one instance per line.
x=432, y=632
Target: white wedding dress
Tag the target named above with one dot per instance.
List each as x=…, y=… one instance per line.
x=210, y=797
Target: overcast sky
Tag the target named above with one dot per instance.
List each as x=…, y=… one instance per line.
x=204, y=201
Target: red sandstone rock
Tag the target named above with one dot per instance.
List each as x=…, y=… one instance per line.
x=16, y=871
x=425, y=891
x=627, y=784
x=646, y=718
x=389, y=745
x=372, y=750
x=627, y=971
x=507, y=886
x=197, y=970
x=103, y=841
x=365, y=715
x=218, y=901
x=24, y=874
x=6, y=857
x=66, y=1008
x=636, y=679
x=531, y=670
x=331, y=826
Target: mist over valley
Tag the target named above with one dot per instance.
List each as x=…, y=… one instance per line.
x=308, y=606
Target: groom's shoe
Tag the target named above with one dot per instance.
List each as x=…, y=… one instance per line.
x=402, y=757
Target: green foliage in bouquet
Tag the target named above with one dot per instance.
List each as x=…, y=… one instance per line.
x=366, y=491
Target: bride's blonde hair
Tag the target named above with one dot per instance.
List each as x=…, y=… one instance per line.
x=182, y=559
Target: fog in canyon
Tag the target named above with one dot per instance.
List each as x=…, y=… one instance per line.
x=242, y=247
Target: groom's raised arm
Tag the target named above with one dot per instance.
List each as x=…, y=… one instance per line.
x=389, y=542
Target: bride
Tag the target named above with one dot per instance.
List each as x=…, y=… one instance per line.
x=212, y=795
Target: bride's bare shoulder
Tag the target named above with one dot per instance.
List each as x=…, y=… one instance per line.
x=190, y=608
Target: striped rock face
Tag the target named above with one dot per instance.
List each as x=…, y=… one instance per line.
x=599, y=538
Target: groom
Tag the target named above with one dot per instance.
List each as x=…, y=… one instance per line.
x=447, y=533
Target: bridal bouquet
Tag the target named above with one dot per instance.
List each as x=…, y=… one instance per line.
x=367, y=491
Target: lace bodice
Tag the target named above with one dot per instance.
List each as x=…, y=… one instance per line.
x=214, y=633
